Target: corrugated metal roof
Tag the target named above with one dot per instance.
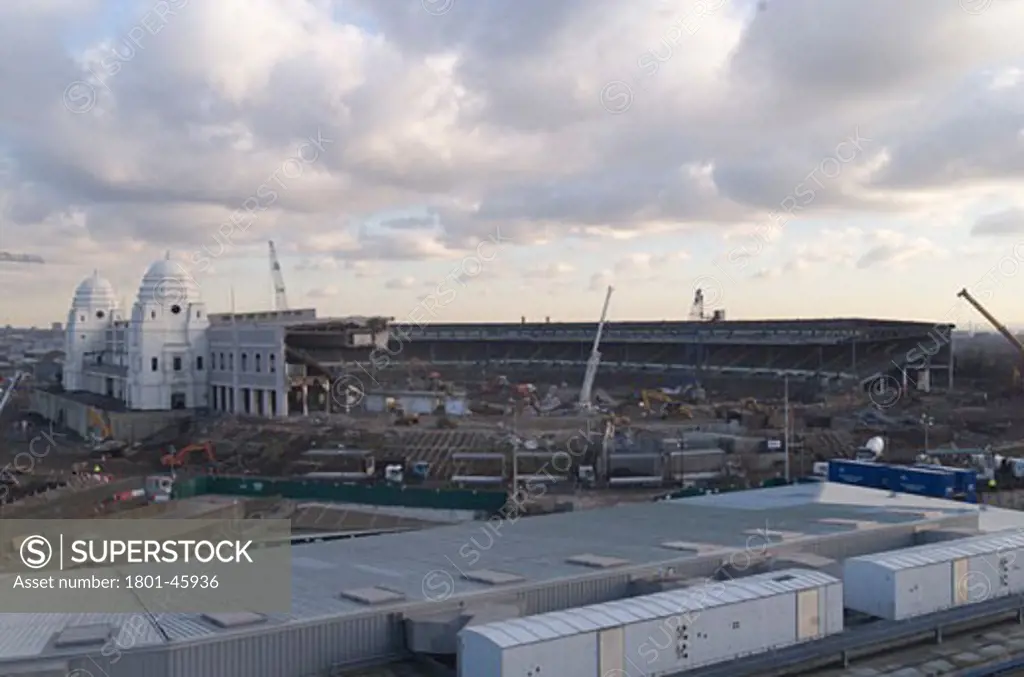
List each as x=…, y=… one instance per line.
x=542, y=627
x=937, y=553
x=535, y=548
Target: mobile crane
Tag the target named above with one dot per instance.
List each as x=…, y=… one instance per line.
x=1001, y=328
x=587, y=390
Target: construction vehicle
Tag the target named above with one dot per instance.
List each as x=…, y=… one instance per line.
x=398, y=414
x=1001, y=328
x=670, y=407
x=181, y=457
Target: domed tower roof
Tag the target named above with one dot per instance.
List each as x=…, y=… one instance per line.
x=168, y=282
x=95, y=292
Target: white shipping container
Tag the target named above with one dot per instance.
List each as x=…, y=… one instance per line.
x=662, y=633
x=924, y=579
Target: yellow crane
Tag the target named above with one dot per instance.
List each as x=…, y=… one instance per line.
x=1001, y=328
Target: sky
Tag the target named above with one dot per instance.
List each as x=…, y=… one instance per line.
x=792, y=158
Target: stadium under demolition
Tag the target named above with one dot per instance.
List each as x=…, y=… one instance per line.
x=748, y=357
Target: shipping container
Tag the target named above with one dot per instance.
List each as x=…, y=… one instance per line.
x=966, y=487
x=659, y=634
x=860, y=473
x=910, y=582
x=922, y=481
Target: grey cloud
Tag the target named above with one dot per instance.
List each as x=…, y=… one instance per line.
x=489, y=116
x=1005, y=222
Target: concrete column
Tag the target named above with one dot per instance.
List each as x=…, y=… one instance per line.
x=305, y=400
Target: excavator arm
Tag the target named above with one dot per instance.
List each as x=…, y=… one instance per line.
x=181, y=457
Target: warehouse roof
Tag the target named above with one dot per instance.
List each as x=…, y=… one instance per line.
x=346, y=577
x=857, y=500
x=542, y=627
x=922, y=555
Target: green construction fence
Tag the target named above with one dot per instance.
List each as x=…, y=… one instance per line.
x=342, y=492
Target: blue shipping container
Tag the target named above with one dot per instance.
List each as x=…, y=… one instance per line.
x=860, y=473
x=924, y=482
x=966, y=480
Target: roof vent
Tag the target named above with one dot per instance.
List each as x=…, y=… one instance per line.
x=492, y=577
x=83, y=635
x=846, y=522
x=684, y=547
x=773, y=535
x=597, y=561
x=373, y=595
x=237, y=619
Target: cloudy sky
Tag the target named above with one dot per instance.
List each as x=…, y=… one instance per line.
x=791, y=157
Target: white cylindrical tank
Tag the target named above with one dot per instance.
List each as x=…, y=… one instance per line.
x=921, y=580
x=659, y=634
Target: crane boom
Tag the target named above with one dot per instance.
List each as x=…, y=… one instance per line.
x=999, y=326
x=12, y=385
x=595, y=356
x=280, y=299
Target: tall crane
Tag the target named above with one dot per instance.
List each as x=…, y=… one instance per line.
x=280, y=299
x=1001, y=328
x=586, y=392
x=697, y=308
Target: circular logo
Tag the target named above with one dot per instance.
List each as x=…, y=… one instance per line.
x=710, y=288
x=617, y=97
x=438, y=585
x=437, y=7
x=79, y=97
x=884, y=391
x=36, y=552
x=347, y=391
x=973, y=587
x=170, y=292
x=975, y=7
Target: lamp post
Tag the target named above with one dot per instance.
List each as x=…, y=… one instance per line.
x=926, y=422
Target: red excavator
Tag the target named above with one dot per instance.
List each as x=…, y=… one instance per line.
x=181, y=457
